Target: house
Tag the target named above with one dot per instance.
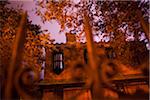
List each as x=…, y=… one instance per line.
x=62, y=58
x=65, y=71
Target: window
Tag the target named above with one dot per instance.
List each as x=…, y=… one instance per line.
x=85, y=56
x=110, y=52
x=58, y=64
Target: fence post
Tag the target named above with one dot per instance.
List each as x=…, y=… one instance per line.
x=96, y=85
x=15, y=58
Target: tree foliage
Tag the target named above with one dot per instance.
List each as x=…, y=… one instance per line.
x=36, y=39
x=113, y=21
x=106, y=17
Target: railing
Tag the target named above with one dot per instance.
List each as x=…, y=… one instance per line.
x=118, y=84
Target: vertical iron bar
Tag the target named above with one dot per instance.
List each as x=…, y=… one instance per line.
x=16, y=57
x=96, y=86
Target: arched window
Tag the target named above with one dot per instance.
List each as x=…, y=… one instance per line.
x=58, y=63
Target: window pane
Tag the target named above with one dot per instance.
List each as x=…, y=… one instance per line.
x=54, y=57
x=61, y=65
x=57, y=64
x=58, y=57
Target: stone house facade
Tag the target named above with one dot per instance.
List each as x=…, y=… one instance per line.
x=62, y=59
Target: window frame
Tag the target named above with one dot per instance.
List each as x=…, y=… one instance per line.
x=59, y=61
